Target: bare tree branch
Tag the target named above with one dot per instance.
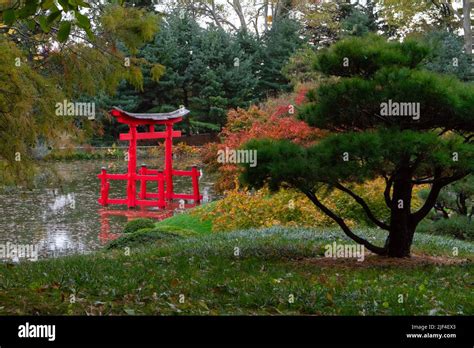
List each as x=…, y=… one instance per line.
x=236, y=5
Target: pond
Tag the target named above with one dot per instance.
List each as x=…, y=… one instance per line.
x=62, y=216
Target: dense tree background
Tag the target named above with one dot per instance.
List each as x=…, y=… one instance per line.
x=46, y=64
x=208, y=70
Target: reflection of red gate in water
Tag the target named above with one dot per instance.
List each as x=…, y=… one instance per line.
x=164, y=179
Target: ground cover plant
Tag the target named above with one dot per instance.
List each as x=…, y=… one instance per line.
x=257, y=271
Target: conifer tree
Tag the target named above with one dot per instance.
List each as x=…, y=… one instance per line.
x=431, y=145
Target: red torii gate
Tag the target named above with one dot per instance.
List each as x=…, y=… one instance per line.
x=163, y=178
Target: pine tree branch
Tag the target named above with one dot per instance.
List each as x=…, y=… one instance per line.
x=364, y=205
x=386, y=193
x=438, y=184
x=375, y=249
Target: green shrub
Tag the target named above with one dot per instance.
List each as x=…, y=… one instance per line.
x=143, y=237
x=458, y=226
x=138, y=224
x=189, y=221
x=176, y=230
x=149, y=235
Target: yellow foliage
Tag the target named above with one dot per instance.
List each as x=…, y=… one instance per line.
x=157, y=71
x=27, y=109
x=242, y=209
x=132, y=26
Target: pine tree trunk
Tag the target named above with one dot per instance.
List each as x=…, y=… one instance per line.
x=401, y=231
x=462, y=204
x=399, y=240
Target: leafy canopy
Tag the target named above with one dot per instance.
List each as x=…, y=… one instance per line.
x=371, y=154
x=375, y=71
x=48, y=15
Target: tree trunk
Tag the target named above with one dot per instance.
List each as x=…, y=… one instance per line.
x=401, y=226
x=240, y=13
x=462, y=204
x=467, y=26
x=399, y=240
x=266, y=15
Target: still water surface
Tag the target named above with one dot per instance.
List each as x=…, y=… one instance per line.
x=65, y=218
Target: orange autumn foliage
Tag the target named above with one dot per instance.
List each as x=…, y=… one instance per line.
x=275, y=119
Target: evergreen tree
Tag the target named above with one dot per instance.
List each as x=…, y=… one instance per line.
x=447, y=54
x=206, y=70
x=430, y=145
x=457, y=198
x=277, y=45
x=209, y=70
x=224, y=74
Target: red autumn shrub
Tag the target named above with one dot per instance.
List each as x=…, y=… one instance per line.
x=274, y=119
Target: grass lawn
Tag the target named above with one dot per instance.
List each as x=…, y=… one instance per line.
x=202, y=275
x=188, y=221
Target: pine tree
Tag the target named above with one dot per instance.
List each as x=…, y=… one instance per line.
x=206, y=70
x=277, y=45
x=431, y=146
x=447, y=54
